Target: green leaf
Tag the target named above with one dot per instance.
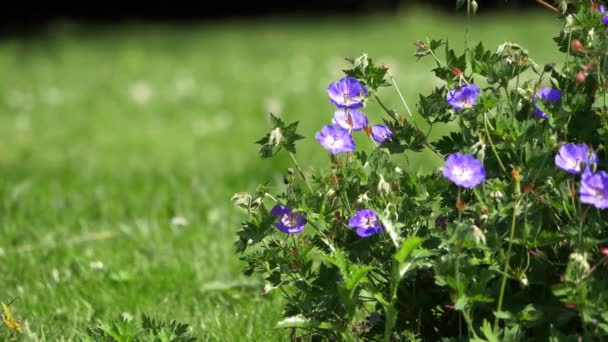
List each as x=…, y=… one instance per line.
x=487, y=331
x=357, y=276
x=280, y=136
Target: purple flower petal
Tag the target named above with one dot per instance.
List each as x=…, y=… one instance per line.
x=335, y=139
x=350, y=119
x=366, y=223
x=570, y=157
x=292, y=223
x=464, y=97
x=464, y=170
x=605, y=20
x=381, y=133
x=279, y=210
x=347, y=93
x=594, y=189
x=545, y=95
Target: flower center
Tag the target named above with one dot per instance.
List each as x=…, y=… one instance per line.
x=332, y=140
x=466, y=101
x=462, y=172
x=575, y=164
x=290, y=220
x=369, y=221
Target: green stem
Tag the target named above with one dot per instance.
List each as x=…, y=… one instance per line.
x=457, y=203
x=466, y=31
x=388, y=111
x=485, y=123
x=407, y=108
x=295, y=161
x=505, y=272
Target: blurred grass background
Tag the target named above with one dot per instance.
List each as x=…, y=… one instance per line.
x=108, y=134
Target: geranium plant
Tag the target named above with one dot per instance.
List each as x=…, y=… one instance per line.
x=506, y=241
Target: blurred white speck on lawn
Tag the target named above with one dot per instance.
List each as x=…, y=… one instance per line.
x=273, y=105
x=179, y=221
x=97, y=265
x=2, y=252
x=55, y=275
x=184, y=86
x=217, y=123
x=19, y=99
x=141, y=92
x=53, y=96
x=214, y=216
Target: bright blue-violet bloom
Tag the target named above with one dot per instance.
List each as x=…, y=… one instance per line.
x=347, y=93
x=289, y=222
x=602, y=9
x=366, y=223
x=464, y=170
x=350, y=119
x=463, y=97
x=594, y=189
x=335, y=139
x=570, y=157
x=545, y=95
x=381, y=133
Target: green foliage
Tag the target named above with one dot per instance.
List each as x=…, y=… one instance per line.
x=516, y=258
x=281, y=136
x=148, y=330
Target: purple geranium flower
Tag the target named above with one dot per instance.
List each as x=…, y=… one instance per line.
x=350, y=119
x=463, y=97
x=335, y=139
x=289, y=222
x=464, y=170
x=347, y=93
x=545, y=94
x=570, y=157
x=366, y=222
x=380, y=133
x=602, y=9
x=594, y=189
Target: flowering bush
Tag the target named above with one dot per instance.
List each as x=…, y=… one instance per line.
x=506, y=241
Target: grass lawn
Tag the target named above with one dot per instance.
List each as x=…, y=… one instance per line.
x=109, y=133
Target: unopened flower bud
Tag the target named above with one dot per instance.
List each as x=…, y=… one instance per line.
x=330, y=193
x=580, y=77
x=275, y=137
x=363, y=198
x=576, y=45
x=384, y=187
x=479, y=236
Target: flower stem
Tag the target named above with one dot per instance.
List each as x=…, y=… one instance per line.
x=407, y=108
x=295, y=161
x=390, y=113
x=506, y=267
x=485, y=123
x=549, y=6
x=582, y=219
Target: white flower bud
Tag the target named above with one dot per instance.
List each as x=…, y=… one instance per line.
x=363, y=198
x=383, y=187
x=275, y=137
x=479, y=236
